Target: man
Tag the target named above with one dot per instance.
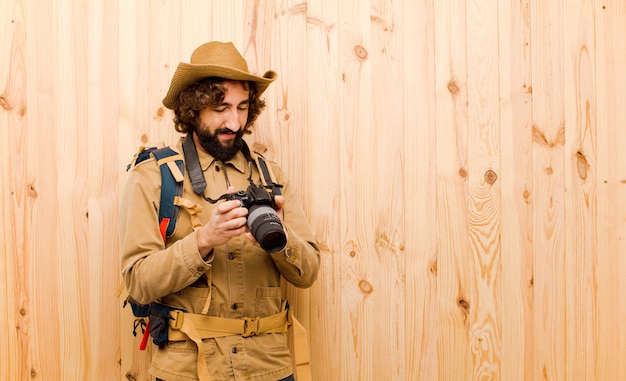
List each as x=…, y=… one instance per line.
x=218, y=287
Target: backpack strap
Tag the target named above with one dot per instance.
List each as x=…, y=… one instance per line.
x=172, y=175
x=267, y=176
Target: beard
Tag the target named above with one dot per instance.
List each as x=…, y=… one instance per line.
x=212, y=145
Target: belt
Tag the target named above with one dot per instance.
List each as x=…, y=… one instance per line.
x=210, y=326
x=195, y=327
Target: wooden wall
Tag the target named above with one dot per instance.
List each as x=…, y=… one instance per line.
x=463, y=165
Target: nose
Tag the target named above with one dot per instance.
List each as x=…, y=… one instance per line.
x=232, y=120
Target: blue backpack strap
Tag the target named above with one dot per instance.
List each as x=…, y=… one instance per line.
x=171, y=187
x=171, y=184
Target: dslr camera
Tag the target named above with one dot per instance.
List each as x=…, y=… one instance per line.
x=262, y=219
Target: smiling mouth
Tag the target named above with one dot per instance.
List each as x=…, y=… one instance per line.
x=226, y=131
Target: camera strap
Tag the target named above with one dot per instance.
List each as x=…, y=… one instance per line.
x=192, y=162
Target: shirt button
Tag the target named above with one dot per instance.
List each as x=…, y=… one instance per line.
x=231, y=256
x=217, y=168
x=234, y=350
x=200, y=269
x=235, y=306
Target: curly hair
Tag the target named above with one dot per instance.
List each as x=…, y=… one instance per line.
x=210, y=92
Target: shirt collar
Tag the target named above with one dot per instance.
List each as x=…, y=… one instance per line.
x=238, y=161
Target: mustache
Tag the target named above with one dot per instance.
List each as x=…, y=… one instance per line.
x=224, y=130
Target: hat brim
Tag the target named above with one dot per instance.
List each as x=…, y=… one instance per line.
x=186, y=74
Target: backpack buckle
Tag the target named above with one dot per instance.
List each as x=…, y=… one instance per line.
x=176, y=319
x=250, y=326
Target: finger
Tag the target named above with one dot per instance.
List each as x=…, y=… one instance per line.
x=280, y=201
x=229, y=205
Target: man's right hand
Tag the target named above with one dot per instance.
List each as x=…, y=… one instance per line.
x=228, y=220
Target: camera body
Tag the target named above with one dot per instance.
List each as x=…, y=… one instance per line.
x=262, y=220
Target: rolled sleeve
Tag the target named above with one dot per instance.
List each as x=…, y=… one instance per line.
x=299, y=262
x=149, y=269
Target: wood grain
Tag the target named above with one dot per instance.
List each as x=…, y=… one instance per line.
x=611, y=185
x=454, y=267
x=461, y=164
x=515, y=87
x=580, y=154
x=484, y=214
x=420, y=253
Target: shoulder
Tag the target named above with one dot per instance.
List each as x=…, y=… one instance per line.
x=147, y=162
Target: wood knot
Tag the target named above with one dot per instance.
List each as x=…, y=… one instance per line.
x=464, y=304
x=144, y=139
x=360, y=52
x=526, y=196
x=4, y=103
x=366, y=287
x=32, y=191
x=463, y=173
x=433, y=268
x=453, y=87
x=582, y=165
x=490, y=177
x=160, y=112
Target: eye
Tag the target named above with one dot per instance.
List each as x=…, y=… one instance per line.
x=243, y=107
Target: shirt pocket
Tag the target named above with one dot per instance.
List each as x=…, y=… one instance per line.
x=268, y=301
x=191, y=299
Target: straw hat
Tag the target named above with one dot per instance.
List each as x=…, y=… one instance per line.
x=214, y=59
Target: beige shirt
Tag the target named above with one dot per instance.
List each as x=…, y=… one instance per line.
x=245, y=280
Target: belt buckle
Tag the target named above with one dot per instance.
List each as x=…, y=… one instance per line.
x=176, y=319
x=250, y=326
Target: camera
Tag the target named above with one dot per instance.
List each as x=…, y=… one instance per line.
x=262, y=219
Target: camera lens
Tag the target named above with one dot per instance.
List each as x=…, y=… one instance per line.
x=266, y=228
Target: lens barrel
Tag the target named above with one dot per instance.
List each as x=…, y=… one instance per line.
x=266, y=228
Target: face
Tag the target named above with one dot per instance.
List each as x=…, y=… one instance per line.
x=220, y=128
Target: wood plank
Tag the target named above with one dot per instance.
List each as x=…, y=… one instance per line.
x=386, y=268
x=42, y=212
x=580, y=154
x=71, y=142
x=484, y=217
x=356, y=139
x=323, y=179
x=102, y=275
x=453, y=264
x=516, y=189
x=610, y=33
x=418, y=89
x=548, y=184
x=15, y=322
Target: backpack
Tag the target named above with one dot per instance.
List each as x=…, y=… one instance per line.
x=172, y=169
